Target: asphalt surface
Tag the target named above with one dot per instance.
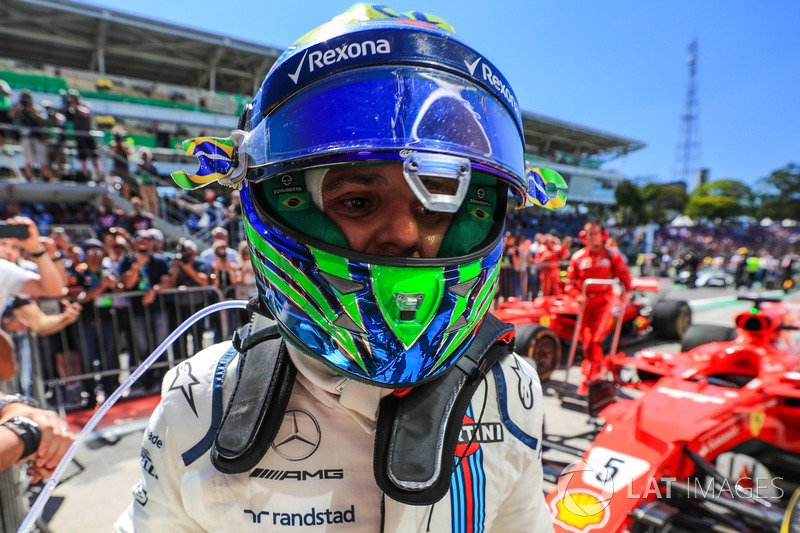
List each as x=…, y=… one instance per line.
x=96, y=488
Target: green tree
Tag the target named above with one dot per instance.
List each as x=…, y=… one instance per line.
x=663, y=202
x=720, y=199
x=629, y=203
x=782, y=197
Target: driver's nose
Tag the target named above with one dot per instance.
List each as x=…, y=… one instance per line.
x=398, y=234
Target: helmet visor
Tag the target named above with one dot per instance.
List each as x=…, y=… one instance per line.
x=371, y=112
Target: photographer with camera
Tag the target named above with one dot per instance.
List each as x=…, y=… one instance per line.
x=120, y=152
x=18, y=235
x=150, y=274
x=188, y=271
x=31, y=118
x=147, y=175
x=80, y=116
x=92, y=283
x=5, y=108
x=224, y=272
x=54, y=122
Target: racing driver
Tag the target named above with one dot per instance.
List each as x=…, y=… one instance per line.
x=377, y=158
x=595, y=261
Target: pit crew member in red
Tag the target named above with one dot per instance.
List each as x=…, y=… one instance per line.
x=595, y=261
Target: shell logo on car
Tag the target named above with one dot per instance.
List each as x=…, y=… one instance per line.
x=577, y=508
x=579, y=511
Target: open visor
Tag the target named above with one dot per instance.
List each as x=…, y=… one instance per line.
x=361, y=113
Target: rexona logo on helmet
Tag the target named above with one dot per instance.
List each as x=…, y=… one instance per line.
x=376, y=88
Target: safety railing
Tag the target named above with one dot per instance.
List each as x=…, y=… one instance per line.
x=87, y=360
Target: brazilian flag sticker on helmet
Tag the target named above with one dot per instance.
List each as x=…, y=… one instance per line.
x=292, y=202
x=546, y=188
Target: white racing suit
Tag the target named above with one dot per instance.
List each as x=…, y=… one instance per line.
x=318, y=474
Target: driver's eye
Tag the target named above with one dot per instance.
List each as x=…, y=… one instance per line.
x=356, y=203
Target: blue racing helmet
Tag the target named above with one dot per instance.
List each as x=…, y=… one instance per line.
x=377, y=87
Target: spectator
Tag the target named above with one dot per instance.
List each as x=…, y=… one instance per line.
x=521, y=268
x=15, y=280
x=31, y=119
x=208, y=256
x=120, y=152
x=107, y=217
x=234, y=217
x=566, y=248
x=92, y=283
x=507, y=267
x=248, y=277
x=80, y=116
x=223, y=272
x=151, y=275
x=29, y=433
x=115, y=248
x=209, y=214
x=188, y=272
x=157, y=241
x=147, y=174
x=533, y=270
x=548, y=258
x=140, y=220
x=55, y=123
x=595, y=261
x=26, y=315
x=5, y=108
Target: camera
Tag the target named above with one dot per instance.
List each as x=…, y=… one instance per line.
x=13, y=231
x=183, y=257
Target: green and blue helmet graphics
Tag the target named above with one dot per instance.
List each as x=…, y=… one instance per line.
x=372, y=87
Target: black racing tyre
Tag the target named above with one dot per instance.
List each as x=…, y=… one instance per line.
x=540, y=344
x=671, y=318
x=699, y=334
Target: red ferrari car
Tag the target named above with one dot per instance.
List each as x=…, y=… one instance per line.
x=712, y=443
x=548, y=322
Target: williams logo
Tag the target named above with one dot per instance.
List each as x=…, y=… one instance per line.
x=298, y=437
x=319, y=59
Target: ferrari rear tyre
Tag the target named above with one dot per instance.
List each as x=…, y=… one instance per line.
x=699, y=334
x=541, y=345
x=671, y=318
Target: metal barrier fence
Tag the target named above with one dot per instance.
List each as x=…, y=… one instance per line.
x=87, y=360
x=96, y=353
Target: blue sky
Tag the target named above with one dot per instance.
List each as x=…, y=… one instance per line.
x=616, y=66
